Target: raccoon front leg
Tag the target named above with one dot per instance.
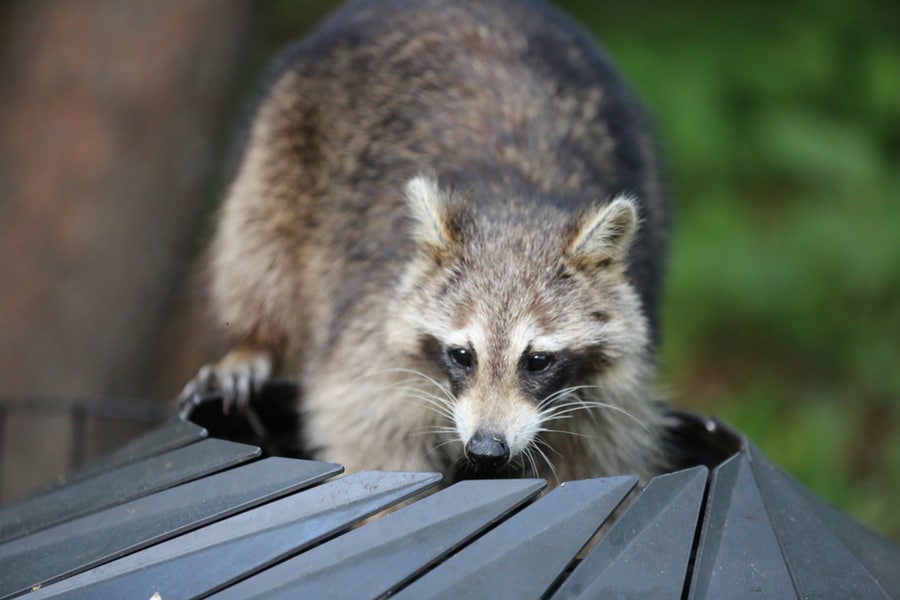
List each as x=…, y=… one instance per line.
x=239, y=376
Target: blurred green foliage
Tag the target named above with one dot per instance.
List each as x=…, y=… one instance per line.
x=781, y=126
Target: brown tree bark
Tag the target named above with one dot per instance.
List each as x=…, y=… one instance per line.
x=113, y=118
x=110, y=128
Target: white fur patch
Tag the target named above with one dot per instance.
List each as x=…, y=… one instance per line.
x=426, y=203
x=523, y=335
x=523, y=427
x=458, y=338
x=465, y=421
x=609, y=232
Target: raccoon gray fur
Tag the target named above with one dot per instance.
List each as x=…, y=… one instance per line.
x=447, y=222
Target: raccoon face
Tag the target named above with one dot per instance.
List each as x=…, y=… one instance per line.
x=525, y=320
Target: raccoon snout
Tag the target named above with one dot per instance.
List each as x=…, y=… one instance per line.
x=487, y=449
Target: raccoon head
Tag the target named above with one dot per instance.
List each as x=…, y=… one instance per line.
x=523, y=314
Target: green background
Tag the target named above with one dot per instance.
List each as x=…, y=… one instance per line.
x=780, y=122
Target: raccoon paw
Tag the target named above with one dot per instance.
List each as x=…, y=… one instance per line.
x=238, y=378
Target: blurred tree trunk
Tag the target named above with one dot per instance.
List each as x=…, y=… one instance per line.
x=110, y=129
x=111, y=135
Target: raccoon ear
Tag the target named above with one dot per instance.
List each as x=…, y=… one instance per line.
x=604, y=235
x=432, y=226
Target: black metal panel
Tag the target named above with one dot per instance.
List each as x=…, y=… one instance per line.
x=738, y=556
x=170, y=436
x=216, y=555
x=99, y=537
x=122, y=484
x=645, y=553
x=763, y=534
x=522, y=557
x=829, y=555
x=382, y=555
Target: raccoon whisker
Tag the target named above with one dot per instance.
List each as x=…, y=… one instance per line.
x=443, y=408
x=558, y=393
x=568, y=409
x=546, y=444
x=431, y=395
x=546, y=460
x=409, y=386
x=556, y=418
x=564, y=392
x=447, y=396
x=427, y=401
x=432, y=429
x=428, y=406
x=421, y=393
x=552, y=416
x=587, y=405
x=427, y=378
x=445, y=442
x=620, y=410
x=563, y=431
x=433, y=450
x=534, y=467
x=572, y=400
x=565, y=408
x=529, y=455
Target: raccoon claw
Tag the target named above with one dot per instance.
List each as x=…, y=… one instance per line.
x=238, y=382
x=237, y=386
x=192, y=393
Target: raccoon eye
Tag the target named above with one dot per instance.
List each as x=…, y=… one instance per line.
x=462, y=357
x=538, y=361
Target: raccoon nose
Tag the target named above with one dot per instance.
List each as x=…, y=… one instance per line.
x=487, y=449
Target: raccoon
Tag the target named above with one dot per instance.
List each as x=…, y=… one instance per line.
x=447, y=222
